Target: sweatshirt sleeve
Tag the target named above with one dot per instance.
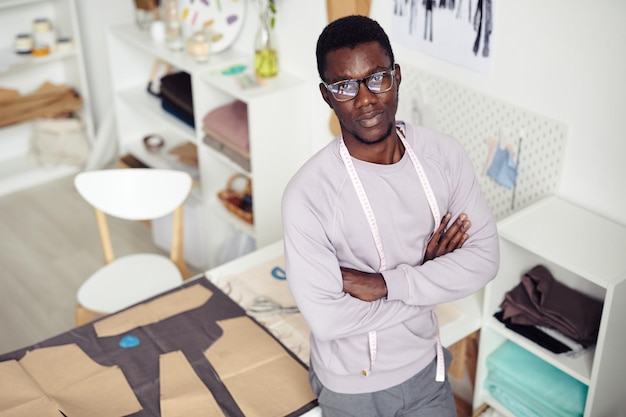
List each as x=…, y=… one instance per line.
x=314, y=278
x=465, y=270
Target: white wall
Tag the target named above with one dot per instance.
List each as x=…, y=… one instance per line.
x=564, y=59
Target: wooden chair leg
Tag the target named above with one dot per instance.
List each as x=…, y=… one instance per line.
x=83, y=315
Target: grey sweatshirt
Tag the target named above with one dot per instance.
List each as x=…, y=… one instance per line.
x=325, y=228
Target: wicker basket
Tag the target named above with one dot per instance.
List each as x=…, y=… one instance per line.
x=238, y=201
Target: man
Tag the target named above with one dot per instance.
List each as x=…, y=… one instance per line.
x=366, y=250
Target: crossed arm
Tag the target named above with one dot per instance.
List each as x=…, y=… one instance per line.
x=371, y=286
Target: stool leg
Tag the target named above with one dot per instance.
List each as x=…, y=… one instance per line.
x=83, y=315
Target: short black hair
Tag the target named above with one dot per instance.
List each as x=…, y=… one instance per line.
x=348, y=32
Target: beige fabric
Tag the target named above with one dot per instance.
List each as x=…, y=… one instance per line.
x=63, y=378
x=48, y=101
x=153, y=311
x=183, y=394
x=261, y=376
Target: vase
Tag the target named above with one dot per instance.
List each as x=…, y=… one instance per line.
x=173, y=25
x=265, y=52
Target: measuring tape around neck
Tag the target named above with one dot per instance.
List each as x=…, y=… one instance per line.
x=371, y=219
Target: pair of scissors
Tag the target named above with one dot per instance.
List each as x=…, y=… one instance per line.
x=263, y=304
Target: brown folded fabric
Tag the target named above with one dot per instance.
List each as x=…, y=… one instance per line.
x=541, y=300
x=48, y=101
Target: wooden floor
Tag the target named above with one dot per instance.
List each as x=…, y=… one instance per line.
x=48, y=246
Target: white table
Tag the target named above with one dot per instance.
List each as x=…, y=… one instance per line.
x=457, y=319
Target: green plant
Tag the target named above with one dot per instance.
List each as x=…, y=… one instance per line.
x=269, y=7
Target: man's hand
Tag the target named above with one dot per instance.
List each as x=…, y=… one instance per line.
x=445, y=241
x=371, y=286
x=362, y=285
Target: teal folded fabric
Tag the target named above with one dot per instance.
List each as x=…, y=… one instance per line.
x=530, y=387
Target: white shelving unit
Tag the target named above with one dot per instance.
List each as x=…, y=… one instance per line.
x=583, y=251
x=278, y=120
x=26, y=73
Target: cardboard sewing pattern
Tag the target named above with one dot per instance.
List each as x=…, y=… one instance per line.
x=244, y=356
x=164, y=324
x=268, y=280
x=63, y=378
x=182, y=393
x=153, y=311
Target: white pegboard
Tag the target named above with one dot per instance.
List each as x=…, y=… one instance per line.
x=472, y=118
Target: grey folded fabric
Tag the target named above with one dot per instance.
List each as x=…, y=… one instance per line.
x=541, y=300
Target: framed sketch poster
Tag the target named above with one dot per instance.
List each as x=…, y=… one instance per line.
x=457, y=31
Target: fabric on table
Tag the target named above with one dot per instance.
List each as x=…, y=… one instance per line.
x=192, y=332
x=531, y=387
x=542, y=300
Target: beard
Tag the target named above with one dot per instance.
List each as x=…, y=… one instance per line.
x=380, y=139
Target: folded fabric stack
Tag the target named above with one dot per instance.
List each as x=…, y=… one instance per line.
x=49, y=101
x=530, y=387
x=540, y=303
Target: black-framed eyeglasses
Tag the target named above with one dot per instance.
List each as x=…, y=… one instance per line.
x=377, y=83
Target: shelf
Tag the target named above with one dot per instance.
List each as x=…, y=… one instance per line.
x=133, y=55
x=229, y=83
x=496, y=405
x=20, y=62
x=578, y=367
x=141, y=101
x=141, y=40
x=553, y=229
x=227, y=160
x=583, y=251
x=14, y=3
x=26, y=73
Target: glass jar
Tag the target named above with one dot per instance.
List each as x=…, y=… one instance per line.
x=173, y=25
x=145, y=13
x=265, y=52
x=199, y=46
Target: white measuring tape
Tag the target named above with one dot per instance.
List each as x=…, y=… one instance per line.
x=371, y=219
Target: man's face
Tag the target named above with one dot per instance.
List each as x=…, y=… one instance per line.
x=368, y=118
